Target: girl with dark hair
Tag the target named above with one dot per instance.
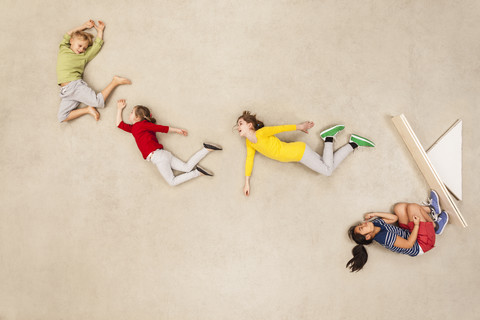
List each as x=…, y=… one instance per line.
x=144, y=129
x=414, y=235
x=262, y=139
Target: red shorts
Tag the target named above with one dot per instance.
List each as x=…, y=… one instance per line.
x=426, y=234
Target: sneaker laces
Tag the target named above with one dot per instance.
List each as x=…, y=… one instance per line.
x=427, y=202
x=433, y=214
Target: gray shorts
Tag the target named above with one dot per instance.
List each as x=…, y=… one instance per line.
x=77, y=92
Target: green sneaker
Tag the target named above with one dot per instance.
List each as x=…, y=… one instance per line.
x=361, y=141
x=332, y=132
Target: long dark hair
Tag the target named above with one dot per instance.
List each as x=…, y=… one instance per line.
x=144, y=113
x=248, y=117
x=360, y=255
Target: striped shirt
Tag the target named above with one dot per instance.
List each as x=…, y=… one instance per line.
x=389, y=233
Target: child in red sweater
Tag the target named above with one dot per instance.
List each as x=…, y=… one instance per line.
x=144, y=130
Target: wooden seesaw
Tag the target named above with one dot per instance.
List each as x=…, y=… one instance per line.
x=427, y=169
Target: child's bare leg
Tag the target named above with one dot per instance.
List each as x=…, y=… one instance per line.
x=426, y=213
x=414, y=209
x=83, y=111
x=112, y=85
x=400, y=210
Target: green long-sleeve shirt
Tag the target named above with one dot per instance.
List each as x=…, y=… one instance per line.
x=70, y=65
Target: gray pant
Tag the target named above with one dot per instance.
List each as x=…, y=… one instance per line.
x=166, y=161
x=77, y=92
x=330, y=160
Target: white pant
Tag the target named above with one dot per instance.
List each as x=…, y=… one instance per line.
x=167, y=162
x=77, y=92
x=330, y=160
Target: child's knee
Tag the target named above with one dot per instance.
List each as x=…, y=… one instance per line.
x=411, y=207
x=400, y=208
x=328, y=170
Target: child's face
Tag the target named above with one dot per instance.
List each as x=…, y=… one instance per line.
x=133, y=117
x=365, y=228
x=78, y=45
x=243, y=127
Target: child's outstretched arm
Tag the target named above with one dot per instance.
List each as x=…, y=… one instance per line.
x=387, y=217
x=305, y=126
x=87, y=25
x=246, y=187
x=183, y=132
x=99, y=28
x=121, y=104
x=248, y=168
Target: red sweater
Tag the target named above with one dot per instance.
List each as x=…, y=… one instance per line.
x=144, y=133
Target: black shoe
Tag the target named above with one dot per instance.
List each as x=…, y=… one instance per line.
x=204, y=171
x=211, y=146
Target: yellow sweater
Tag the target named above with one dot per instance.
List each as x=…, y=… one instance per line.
x=70, y=65
x=270, y=146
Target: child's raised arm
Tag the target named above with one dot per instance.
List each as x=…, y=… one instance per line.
x=86, y=25
x=99, y=28
x=121, y=104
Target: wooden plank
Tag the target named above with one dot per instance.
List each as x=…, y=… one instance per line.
x=427, y=169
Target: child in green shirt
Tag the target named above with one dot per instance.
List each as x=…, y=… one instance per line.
x=76, y=50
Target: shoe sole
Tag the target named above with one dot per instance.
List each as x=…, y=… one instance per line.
x=211, y=146
x=204, y=171
x=325, y=131
x=362, y=139
x=446, y=214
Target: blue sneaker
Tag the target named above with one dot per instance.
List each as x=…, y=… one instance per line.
x=441, y=222
x=434, y=202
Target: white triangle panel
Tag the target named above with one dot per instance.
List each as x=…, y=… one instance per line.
x=446, y=158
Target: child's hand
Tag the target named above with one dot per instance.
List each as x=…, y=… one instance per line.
x=100, y=26
x=88, y=24
x=369, y=216
x=305, y=126
x=246, y=190
x=182, y=132
x=121, y=104
x=416, y=220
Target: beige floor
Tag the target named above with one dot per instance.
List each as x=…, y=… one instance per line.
x=90, y=231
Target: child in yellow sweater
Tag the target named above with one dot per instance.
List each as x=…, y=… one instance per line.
x=76, y=50
x=262, y=139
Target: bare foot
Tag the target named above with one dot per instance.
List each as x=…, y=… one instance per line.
x=93, y=111
x=120, y=80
